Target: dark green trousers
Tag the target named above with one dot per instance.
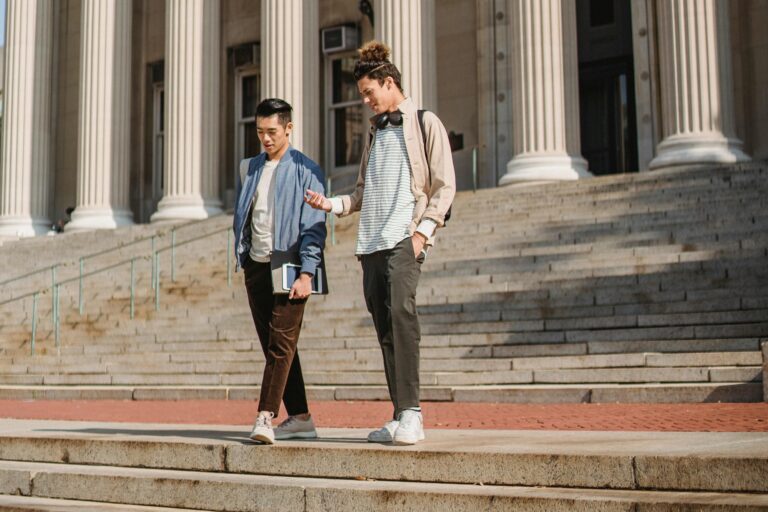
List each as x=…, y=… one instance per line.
x=390, y=278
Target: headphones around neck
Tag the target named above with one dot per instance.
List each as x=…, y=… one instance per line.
x=381, y=121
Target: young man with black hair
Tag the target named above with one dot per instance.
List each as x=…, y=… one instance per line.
x=273, y=226
x=404, y=191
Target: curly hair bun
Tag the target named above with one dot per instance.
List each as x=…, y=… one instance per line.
x=374, y=51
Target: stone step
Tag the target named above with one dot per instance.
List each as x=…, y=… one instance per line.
x=369, y=373
x=97, y=454
x=370, y=360
x=187, y=466
x=245, y=493
x=513, y=393
x=10, y=503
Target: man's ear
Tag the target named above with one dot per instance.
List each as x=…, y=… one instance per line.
x=289, y=127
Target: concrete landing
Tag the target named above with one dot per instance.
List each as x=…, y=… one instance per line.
x=716, y=461
x=206, y=467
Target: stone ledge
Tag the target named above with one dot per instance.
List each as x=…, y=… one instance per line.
x=765, y=370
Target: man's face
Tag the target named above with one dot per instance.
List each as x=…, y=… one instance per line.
x=272, y=135
x=379, y=98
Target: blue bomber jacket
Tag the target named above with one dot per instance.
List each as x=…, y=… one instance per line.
x=299, y=228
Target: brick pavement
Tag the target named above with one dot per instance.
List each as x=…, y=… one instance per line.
x=752, y=417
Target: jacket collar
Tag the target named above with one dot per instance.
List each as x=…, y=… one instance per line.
x=262, y=158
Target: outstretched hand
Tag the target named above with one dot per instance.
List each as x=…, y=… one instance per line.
x=317, y=201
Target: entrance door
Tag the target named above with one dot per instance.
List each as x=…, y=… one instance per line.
x=606, y=86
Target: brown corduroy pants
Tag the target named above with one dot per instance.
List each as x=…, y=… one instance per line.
x=278, y=324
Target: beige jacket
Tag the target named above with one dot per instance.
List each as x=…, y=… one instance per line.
x=431, y=202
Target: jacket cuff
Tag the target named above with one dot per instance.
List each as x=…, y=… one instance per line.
x=337, y=205
x=427, y=228
x=308, y=268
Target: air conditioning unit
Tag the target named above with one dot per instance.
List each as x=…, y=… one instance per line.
x=339, y=39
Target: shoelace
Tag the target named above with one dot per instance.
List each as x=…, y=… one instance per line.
x=262, y=420
x=287, y=422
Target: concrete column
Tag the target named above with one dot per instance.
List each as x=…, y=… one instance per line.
x=408, y=28
x=26, y=164
x=290, y=62
x=696, y=85
x=539, y=89
x=105, y=117
x=191, y=111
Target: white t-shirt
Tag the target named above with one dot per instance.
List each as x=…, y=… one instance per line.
x=263, y=217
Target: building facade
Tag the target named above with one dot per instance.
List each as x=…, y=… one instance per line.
x=135, y=111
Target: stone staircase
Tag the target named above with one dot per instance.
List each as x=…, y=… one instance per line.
x=76, y=466
x=649, y=287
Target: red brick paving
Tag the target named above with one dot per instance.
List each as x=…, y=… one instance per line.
x=632, y=417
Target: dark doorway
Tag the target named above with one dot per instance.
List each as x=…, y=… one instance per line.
x=607, y=86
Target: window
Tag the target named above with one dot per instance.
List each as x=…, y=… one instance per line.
x=344, y=121
x=246, y=99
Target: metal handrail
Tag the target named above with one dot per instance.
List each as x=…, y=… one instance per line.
x=155, y=256
x=159, y=233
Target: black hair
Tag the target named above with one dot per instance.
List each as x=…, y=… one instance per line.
x=272, y=106
x=374, y=63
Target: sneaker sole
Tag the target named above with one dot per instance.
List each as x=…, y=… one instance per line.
x=408, y=441
x=296, y=435
x=380, y=441
x=263, y=439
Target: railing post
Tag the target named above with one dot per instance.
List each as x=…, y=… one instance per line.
x=332, y=217
x=80, y=297
x=474, y=169
x=56, y=318
x=34, y=324
x=229, y=257
x=133, y=265
x=157, y=281
x=53, y=285
x=173, y=255
x=154, y=263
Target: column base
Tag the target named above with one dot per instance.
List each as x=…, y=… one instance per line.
x=86, y=219
x=174, y=209
x=698, y=150
x=526, y=169
x=22, y=226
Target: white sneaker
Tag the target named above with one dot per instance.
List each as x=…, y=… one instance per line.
x=295, y=428
x=411, y=428
x=384, y=434
x=262, y=429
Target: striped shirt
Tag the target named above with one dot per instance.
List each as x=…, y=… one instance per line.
x=388, y=201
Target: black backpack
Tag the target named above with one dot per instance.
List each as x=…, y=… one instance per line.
x=426, y=155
